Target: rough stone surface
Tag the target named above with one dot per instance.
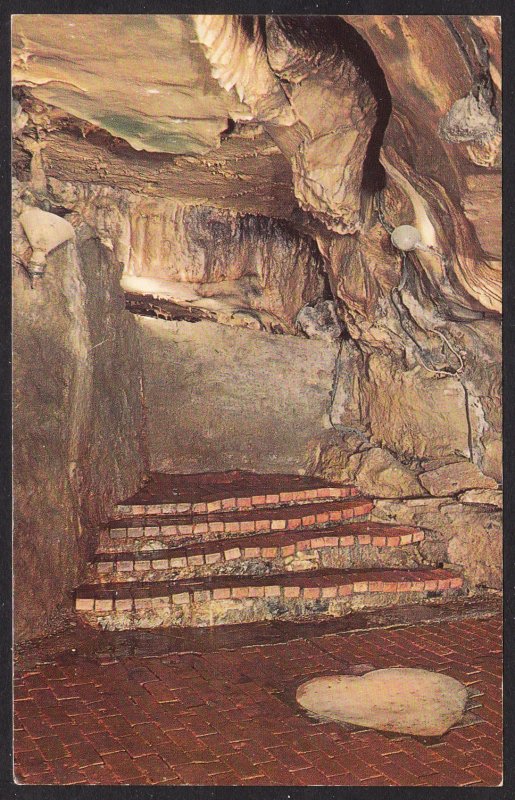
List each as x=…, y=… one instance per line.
x=77, y=421
x=488, y=497
x=377, y=473
x=216, y=259
x=157, y=110
x=454, y=478
x=413, y=701
x=468, y=536
x=222, y=398
x=320, y=321
x=414, y=413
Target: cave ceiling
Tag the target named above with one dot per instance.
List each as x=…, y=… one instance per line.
x=299, y=121
x=158, y=124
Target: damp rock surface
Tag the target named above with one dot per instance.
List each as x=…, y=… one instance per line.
x=413, y=701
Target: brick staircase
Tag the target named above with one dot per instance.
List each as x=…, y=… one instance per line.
x=233, y=547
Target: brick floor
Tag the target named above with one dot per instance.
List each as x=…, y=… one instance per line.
x=228, y=716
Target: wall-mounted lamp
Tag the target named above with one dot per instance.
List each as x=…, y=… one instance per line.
x=406, y=237
x=45, y=232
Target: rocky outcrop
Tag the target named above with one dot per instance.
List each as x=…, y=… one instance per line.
x=197, y=255
x=468, y=536
x=412, y=376
x=78, y=419
x=454, y=478
x=286, y=75
x=154, y=105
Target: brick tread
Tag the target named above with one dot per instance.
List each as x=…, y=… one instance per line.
x=262, y=545
x=278, y=500
x=204, y=487
x=315, y=581
x=320, y=512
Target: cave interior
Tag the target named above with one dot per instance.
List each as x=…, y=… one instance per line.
x=205, y=281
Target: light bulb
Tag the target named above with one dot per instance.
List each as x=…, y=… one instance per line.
x=406, y=237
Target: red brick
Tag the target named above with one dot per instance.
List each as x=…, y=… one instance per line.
x=84, y=754
x=134, y=744
x=191, y=774
x=52, y=748
x=240, y=592
x=155, y=768
x=277, y=772
x=289, y=757
x=30, y=763
x=242, y=766
x=487, y=775
x=123, y=766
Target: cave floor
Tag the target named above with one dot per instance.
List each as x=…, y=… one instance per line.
x=217, y=706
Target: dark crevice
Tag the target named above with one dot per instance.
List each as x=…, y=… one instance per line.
x=247, y=26
x=362, y=55
x=329, y=37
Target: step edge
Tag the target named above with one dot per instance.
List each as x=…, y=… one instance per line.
x=214, y=546
x=244, y=502
x=200, y=519
x=187, y=586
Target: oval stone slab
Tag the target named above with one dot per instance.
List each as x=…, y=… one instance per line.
x=414, y=701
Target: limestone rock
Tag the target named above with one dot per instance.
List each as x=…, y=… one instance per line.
x=71, y=67
x=320, y=321
x=454, y=478
x=346, y=413
x=413, y=412
x=488, y=497
x=476, y=544
x=379, y=474
x=78, y=444
x=250, y=263
x=413, y=701
x=217, y=396
x=467, y=536
x=431, y=87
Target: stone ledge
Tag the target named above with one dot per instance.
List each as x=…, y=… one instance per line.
x=272, y=519
x=271, y=546
x=309, y=586
x=237, y=503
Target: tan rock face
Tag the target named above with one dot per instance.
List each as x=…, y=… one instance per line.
x=78, y=444
x=220, y=398
x=454, y=478
x=327, y=151
x=167, y=102
x=214, y=258
x=413, y=701
x=489, y=497
x=467, y=535
x=379, y=474
x=413, y=412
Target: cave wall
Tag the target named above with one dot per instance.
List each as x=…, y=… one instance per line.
x=220, y=398
x=78, y=421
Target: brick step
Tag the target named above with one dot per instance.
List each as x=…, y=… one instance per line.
x=220, y=524
x=227, y=491
x=226, y=599
x=237, y=503
x=277, y=552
